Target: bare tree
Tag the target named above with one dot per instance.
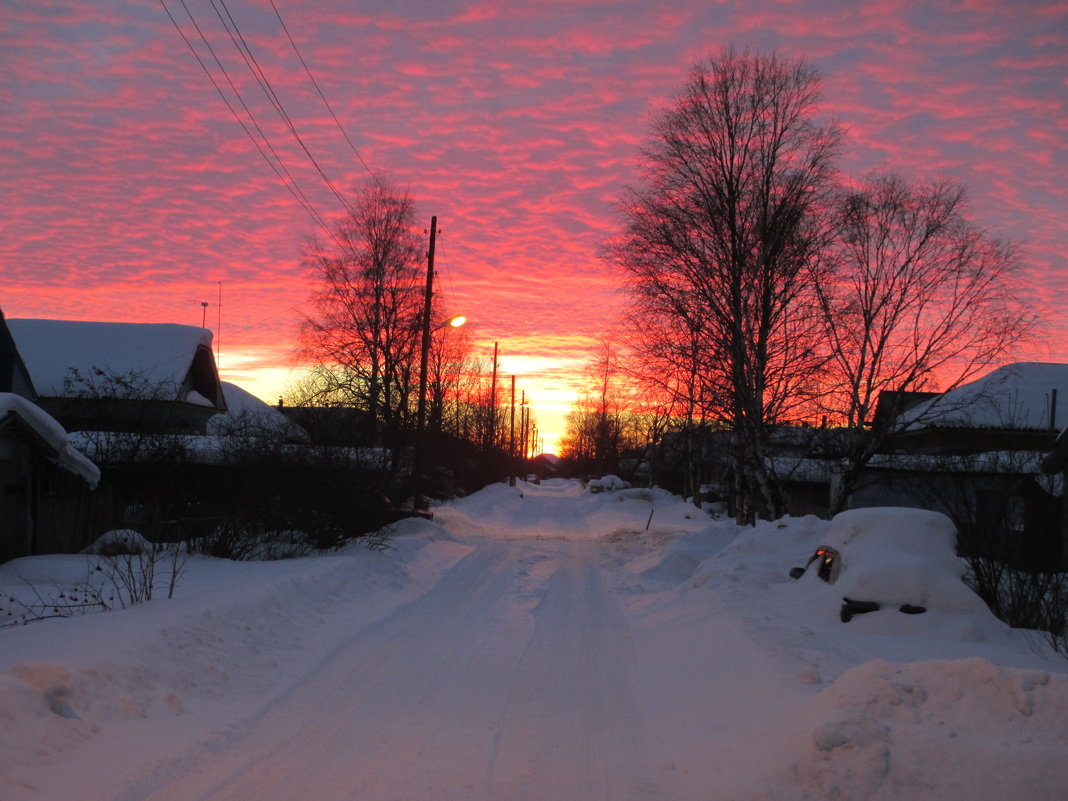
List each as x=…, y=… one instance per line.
x=917, y=295
x=667, y=362
x=365, y=330
x=607, y=420
x=722, y=235
x=449, y=363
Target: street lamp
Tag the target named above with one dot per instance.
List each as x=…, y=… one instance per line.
x=420, y=433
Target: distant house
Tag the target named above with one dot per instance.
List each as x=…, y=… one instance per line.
x=132, y=377
x=1055, y=463
x=44, y=482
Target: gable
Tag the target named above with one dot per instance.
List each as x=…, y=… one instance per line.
x=168, y=362
x=14, y=377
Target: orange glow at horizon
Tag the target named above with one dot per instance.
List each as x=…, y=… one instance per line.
x=131, y=192
x=549, y=399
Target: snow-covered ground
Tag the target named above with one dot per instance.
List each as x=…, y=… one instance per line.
x=542, y=643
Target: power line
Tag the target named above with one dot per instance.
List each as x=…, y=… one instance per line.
x=278, y=166
x=264, y=82
x=315, y=83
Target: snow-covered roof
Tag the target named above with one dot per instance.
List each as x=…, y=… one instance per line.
x=1018, y=396
x=52, y=433
x=244, y=407
x=161, y=353
x=808, y=469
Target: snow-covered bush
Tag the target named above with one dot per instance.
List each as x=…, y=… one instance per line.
x=121, y=569
x=119, y=541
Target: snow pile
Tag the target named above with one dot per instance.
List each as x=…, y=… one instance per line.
x=897, y=556
x=607, y=484
x=119, y=541
x=957, y=729
x=543, y=642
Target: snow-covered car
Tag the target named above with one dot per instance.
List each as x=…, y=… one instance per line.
x=607, y=483
x=898, y=558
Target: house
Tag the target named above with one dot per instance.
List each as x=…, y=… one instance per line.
x=130, y=377
x=1055, y=464
x=14, y=377
x=975, y=453
x=45, y=483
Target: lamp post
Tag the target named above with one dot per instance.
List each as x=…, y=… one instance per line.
x=420, y=433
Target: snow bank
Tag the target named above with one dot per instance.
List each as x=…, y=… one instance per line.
x=579, y=640
x=932, y=730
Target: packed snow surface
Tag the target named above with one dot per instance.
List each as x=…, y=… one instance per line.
x=543, y=643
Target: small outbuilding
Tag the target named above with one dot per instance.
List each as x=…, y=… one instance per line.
x=45, y=483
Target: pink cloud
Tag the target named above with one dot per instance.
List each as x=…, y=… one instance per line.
x=130, y=191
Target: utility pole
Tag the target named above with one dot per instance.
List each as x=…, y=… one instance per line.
x=493, y=404
x=424, y=359
x=218, y=331
x=524, y=415
x=511, y=435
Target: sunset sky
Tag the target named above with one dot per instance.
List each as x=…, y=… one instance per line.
x=131, y=193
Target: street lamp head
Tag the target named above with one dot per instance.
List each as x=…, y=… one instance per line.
x=456, y=322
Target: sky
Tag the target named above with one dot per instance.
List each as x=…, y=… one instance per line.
x=132, y=193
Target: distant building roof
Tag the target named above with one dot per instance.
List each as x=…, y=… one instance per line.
x=246, y=410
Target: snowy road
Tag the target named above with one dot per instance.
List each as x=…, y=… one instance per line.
x=523, y=635
x=532, y=644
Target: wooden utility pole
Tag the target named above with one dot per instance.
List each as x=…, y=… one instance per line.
x=511, y=434
x=493, y=404
x=524, y=416
x=424, y=360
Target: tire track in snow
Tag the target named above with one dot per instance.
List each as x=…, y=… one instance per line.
x=395, y=711
x=572, y=728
